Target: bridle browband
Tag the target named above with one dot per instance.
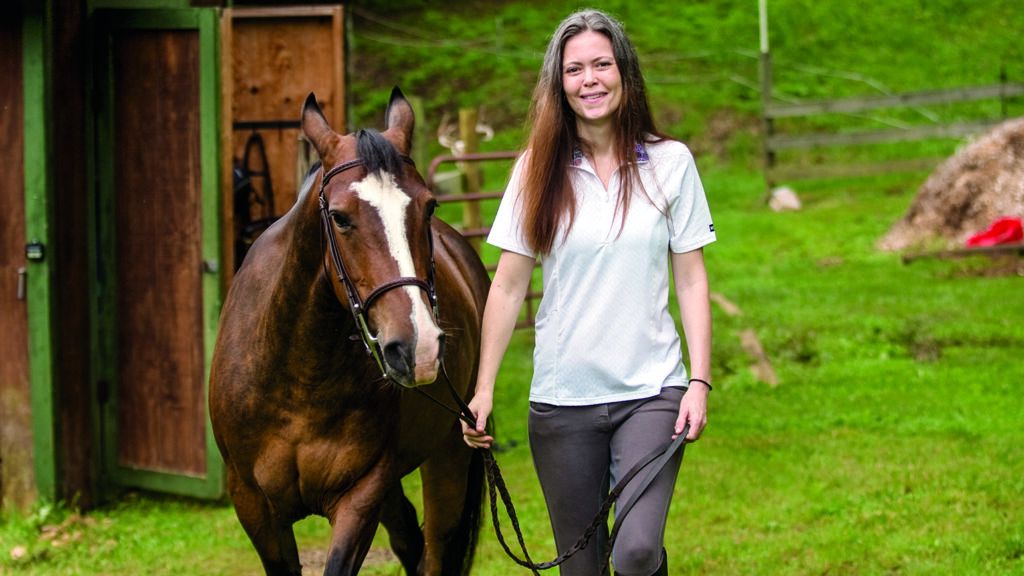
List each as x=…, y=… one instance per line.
x=359, y=307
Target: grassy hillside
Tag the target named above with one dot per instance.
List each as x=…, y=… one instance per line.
x=700, y=58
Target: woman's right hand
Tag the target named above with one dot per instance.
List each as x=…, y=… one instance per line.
x=481, y=406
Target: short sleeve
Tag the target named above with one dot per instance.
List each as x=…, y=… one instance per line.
x=507, y=230
x=690, y=223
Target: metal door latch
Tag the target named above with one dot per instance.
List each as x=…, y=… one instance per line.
x=35, y=250
x=22, y=278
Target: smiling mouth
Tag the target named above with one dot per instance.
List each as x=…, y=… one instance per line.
x=593, y=97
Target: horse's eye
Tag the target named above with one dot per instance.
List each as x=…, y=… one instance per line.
x=341, y=220
x=431, y=206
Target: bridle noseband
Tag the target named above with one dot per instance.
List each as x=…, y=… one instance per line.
x=360, y=308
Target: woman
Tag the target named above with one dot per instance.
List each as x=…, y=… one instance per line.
x=606, y=202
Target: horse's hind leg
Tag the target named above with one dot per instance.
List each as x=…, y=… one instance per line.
x=399, y=518
x=273, y=539
x=453, y=483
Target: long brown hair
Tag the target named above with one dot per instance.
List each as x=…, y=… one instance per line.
x=549, y=201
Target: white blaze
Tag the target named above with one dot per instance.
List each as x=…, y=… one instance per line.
x=391, y=204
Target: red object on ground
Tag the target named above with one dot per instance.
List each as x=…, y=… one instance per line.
x=1004, y=230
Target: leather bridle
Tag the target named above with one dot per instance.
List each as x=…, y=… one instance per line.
x=361, y=308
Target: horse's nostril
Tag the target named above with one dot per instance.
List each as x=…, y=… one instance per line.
x=399, y=356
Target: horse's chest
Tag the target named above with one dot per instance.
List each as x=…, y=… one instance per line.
x=333, y=465
x=307, y=471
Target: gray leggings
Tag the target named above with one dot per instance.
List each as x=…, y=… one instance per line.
x=579, y=451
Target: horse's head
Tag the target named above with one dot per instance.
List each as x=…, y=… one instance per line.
x=377, y=214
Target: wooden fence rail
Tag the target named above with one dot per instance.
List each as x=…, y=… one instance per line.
x=927, y=97
x=475, y=232
x=775, y=141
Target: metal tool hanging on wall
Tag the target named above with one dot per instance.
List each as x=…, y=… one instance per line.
x=253, y=196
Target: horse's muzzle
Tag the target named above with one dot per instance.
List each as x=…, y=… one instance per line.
x=413, y=365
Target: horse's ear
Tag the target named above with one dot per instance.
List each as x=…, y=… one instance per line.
x=316, y=129
x=400, y=118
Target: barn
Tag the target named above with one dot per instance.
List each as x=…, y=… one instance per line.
x=145, y=144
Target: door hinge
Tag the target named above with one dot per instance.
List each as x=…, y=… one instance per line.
x=22, y=280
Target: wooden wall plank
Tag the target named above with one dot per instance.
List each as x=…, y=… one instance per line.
x=76, y=454
x=227, y=86
x=17, y=482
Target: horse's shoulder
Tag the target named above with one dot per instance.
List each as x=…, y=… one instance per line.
x=455, y=251
x=460, y=273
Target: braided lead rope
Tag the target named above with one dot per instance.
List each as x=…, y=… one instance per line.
x=660, y=456
x=496, y=486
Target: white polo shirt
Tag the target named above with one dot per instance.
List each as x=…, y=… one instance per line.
x=603, y=328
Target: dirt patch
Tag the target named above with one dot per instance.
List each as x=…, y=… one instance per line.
x=982, y=182
x=728, y=306
x=762, y=367
x=314, y=560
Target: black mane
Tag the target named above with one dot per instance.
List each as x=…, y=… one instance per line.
x=377, y=153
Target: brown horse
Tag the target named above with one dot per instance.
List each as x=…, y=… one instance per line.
x=307, y=421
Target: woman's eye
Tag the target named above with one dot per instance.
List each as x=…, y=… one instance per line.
x=572, y=69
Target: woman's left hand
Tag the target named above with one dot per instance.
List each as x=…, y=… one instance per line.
x=693, y=410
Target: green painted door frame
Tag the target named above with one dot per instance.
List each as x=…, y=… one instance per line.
x=37, y=30
x=206, y=22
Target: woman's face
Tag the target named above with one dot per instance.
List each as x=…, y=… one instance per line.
x=590, y=78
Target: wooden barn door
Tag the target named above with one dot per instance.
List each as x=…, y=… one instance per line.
x=272, y=58
x=158, y=279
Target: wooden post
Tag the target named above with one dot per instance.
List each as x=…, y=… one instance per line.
x=39, y=181
x=767, y=123
x=470, y=171
x=1002, y=91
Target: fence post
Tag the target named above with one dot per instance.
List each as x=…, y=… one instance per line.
x=1002, y=90
x=470, y=171
x=767, y=124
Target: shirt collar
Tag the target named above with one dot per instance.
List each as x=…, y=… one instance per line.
x=641, y=154
x=577, y=156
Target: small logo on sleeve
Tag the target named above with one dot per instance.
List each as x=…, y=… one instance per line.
x=711, y=227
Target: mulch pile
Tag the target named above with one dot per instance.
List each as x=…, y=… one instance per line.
x=966, y=193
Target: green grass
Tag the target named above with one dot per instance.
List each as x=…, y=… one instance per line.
x=892, y=443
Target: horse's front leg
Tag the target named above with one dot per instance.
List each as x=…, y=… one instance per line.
x=272, y=537
x=398, y=516
x=354, y=521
